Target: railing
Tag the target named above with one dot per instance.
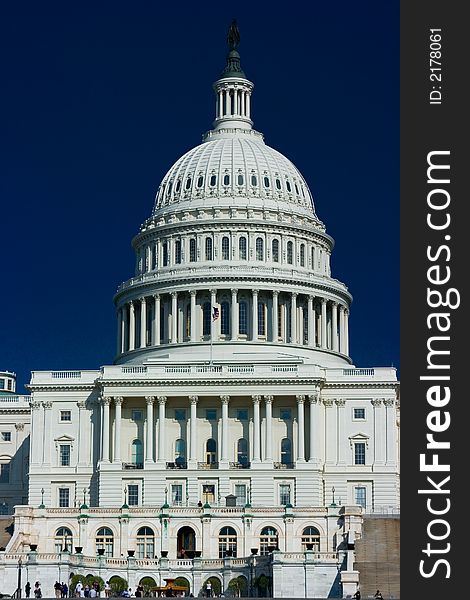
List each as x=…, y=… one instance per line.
x=176, y=465
x=239, y=465
x=134, y=369
x=130, y=466
x=205, y=466
x=66, y=374
x=15, y=399
x=280, y=465
x=359, y=372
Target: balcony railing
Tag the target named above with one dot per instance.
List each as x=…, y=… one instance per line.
x=203, y=465
x=176, y=465
x=281, y=465
x=130, y=466
x=239, y=465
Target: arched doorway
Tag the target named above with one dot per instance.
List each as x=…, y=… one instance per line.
x=186, y=542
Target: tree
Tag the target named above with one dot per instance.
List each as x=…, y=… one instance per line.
x=238, y=586
x=147, y=583
x=117, y=585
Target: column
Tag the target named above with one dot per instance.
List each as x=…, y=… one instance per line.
x=341, y=328
x=334, y=326
x=301, y=429
x=323, y=323
x=341, y=435
x=149, y=445
x=235, y=101
x=47, y=431
x=391, y=431
x=221, y=104
x=346, y=332
x=161, y=429
x=293, y=318
x=224, y=437
x=105, y=402
x=254, y=315
x=275, y=316
x=330, y=432
x=174, y=317
x=143, y=323
x=248, y=108
x=269, y=428
x=311, y=322
x=314, y=454
x=234, y=323
x=256, y=429
x=192, y=325
x=119, y=331
x=37, y=419
x=156, y=321
x=131, y=325
x=193, y=424
x=125, y=329
x=118, y=400
x=379, y=428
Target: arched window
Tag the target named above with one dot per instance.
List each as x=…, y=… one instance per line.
x=311, y=539
x=227, y=179
x=178, y=185
x=242, y=452
x=286, y=451
x=242, y=318
x=275, y=250
x=145, y=543
x=105, y=540
x=188, y=183
x=180, y=453
x=268, y=540
x=165, y=254
x=178, y=252
x=154, y=258
x=192, y=250
x=162, y=323
x=242, y=248
x=254, y=180
x=266, y=182
x=227, y=542
x=261, y=318
x=200, y=181
x=137, y=453
x=225, y=318
x=208, y=248
x=290, y=253
x=225, y=248
x=278, y=183
x=240, y=179
x=305, y=325
x=288, y=186
x=312, y=257
x=302, y=255
x=213, y=180
x=187, y=329
x=211, y=451
x=63, y=539
x=259, y=249
x=206, y=318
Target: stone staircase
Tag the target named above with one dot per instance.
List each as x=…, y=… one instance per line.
x=378, y=557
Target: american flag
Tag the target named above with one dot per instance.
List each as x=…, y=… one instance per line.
x=215, y=313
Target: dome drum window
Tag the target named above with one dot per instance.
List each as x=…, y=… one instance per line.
x=188, y=183
x=213, y=180
x=200, y=181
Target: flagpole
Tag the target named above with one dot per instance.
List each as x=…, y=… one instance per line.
x=212, y=328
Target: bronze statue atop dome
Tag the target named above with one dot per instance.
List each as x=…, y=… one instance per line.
x=233, y=35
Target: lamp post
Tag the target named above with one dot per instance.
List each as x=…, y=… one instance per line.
x=42, y=499
x=20, y=564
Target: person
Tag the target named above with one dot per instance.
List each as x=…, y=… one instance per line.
x=125, y=594
x=378, y=595
x=57, y=589
x=64, y=590
x=208, y=589
x=107, y=589
x=37, y=590
x=27, y=589
x=357, y=595
x=78, y=589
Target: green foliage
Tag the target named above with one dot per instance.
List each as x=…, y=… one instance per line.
x=86, y=580
x=118, y=585
x=216, y=587
x=182, y=581
x=238, y=586
x=147, y=583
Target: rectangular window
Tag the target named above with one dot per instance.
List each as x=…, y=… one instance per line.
x=65, y=415
x=284, y=494
x=133, y=495
x=137, y=415
x=360, y=496
x=242, y=414
x=180, y=414
x=6, y=436
x=285, y=414
x=64, y=455
x=177, y=494
x=9, y=384
x=360, y=413
x=360, y=453
x=242, y=318
x=4, y=472
x=211, y=414
x=64, y=497
x=208, y=493
x=2, y=384
x=240, y=493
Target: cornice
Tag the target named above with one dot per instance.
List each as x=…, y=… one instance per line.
x=207, y=382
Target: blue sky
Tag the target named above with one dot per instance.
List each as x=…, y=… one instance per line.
x=100, y=99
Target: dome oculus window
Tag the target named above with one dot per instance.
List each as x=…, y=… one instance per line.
x=213, y=180
x=266, y=182
x=226, y=179
x=178, y=185
x=278, y=184
x=188, y=183
x=240, y=179
x=200, y=181
x=254, y=181
x=288, y=186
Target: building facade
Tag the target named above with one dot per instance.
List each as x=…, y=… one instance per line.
x=232, y=436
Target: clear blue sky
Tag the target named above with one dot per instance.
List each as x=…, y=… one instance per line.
x=100, y=99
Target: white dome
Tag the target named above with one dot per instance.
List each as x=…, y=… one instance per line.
x=234, y=165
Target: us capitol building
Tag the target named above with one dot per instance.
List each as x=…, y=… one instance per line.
x=232, y=436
